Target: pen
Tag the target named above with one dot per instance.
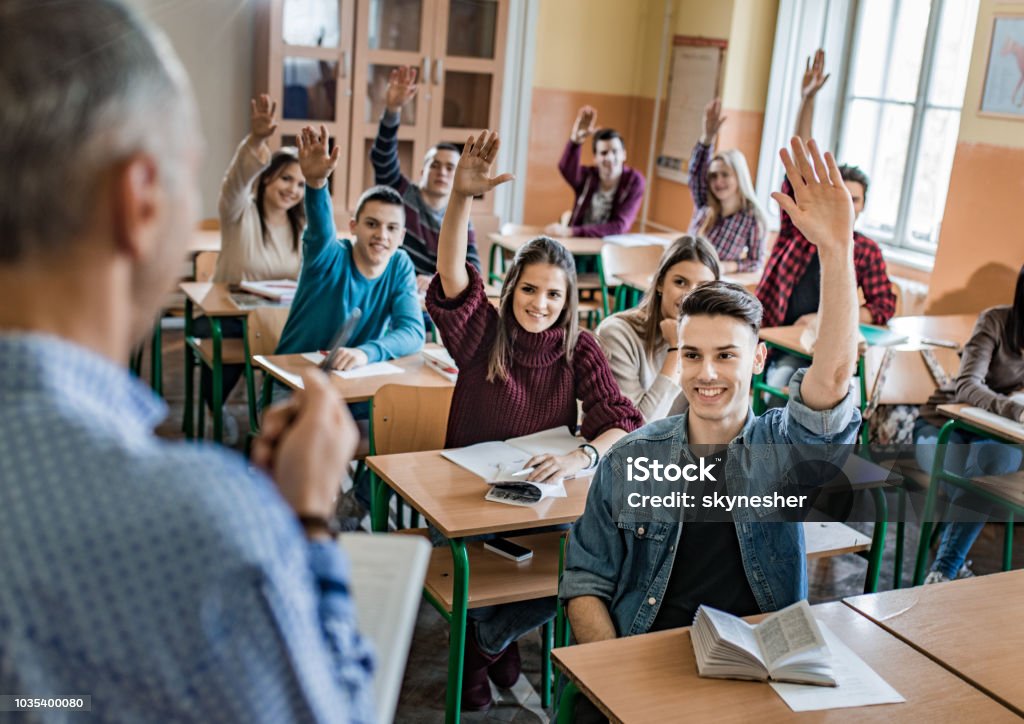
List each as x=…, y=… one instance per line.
x=940, y=343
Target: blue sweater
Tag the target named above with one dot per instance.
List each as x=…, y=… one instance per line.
x=330, y=287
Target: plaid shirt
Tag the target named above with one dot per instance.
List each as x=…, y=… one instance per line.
x=788, y=262
x=738, y=237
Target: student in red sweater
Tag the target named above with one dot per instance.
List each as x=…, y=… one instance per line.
x=522, y=368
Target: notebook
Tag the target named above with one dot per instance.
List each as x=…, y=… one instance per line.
x=387, y=573
x=278, y=290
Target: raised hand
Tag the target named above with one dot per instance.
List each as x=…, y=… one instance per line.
x=713, y=120
x=473, y=174
x=822, y=209
x=401, y=87
x=584, y=125
x=314, y=160
x=814, y=75
x=262, y=123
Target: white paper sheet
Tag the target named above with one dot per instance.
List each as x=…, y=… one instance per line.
x=857, y=683
x=374, y=369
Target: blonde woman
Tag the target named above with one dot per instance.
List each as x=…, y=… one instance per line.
x=726, y=211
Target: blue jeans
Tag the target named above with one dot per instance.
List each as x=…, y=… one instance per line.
x=970, y=456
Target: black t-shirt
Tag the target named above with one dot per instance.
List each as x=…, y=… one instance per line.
x=708, y=568
x=806, y=293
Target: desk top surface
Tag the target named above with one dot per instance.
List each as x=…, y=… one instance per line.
x=203, y=240
x=212, y=299
x=577, y=245
x=452, y=498
x=286, y=368
x=954, y=412
x=653, y=677
x=973, y=626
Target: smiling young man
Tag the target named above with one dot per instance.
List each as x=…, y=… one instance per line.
x=368, y=272
x=629, y=570
x=425, y=202
x=609, y=193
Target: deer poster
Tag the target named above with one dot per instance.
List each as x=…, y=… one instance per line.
x=1004, y=78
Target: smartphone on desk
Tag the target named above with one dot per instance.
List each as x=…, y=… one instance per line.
x=507, y=549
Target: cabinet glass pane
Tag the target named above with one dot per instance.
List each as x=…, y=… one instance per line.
x=395, y=25
x=311, y=22
x=376, y=90
x=310, y=88
x=472, y=25
x=410, y=167
x=467, y=100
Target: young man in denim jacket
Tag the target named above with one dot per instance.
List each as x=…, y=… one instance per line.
x=630, y=570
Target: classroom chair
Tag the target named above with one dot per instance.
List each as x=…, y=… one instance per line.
x=403, y=419
x=616, y=259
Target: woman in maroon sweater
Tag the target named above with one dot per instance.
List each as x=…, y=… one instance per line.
x=522, y=368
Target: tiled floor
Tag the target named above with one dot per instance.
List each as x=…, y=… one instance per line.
x=422, y=697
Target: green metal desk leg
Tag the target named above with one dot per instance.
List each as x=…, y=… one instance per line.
x=877, y=541
x=1008, y=543
x=497, y=259
x=567, y=704
x=188, y=419
x=217, y=401
x=379, y=495
x=865, y=430
x=604, y=286
x=458, y=633
x=547, y=634
x=156, y=364
x=921, y=563
x=901, y=532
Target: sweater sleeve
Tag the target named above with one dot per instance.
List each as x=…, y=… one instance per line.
x=405, y=333
x=757, y=236
x=604, y=405
x=467, y=321
x=699, y=174
x=627, y=359
x=236, y=187
x=974, y=368
x=472, y=255
x=569, y=166
x=624, y=210
x=320, y=236
x=384, y=155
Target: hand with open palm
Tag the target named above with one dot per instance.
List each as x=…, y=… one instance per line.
x=822, y=208
x=814, y=75
x=316, y=162
x=401, y=87
x=713, y=120
x=262, y=122
x=473, y=174
x=584, y=125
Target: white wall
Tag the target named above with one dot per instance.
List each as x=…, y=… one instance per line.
x=214, y=39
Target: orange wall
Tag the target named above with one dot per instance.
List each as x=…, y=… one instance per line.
x=982, y=243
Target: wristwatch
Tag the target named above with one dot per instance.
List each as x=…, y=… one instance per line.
x=592, y=455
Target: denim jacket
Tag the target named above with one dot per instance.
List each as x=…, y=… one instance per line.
x=625, y=558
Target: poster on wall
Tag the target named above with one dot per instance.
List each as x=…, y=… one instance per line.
x=1003, y=94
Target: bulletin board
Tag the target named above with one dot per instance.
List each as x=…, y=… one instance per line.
x=695, y=77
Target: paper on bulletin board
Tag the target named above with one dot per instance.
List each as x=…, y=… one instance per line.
x=693, y=81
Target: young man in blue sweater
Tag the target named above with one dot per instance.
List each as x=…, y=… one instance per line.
x=368, y=272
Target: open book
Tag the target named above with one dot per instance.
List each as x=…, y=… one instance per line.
x=438, y=359
x=502, y=464
x=279, y=290
x=786, y=646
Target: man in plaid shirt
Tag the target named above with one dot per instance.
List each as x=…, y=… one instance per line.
x=789, y=288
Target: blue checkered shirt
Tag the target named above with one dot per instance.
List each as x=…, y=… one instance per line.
x=166, y=580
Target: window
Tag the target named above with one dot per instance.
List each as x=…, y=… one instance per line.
x=900, y=116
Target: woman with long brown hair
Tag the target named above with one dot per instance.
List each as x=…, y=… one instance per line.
x=641, y=343
x=522, y=368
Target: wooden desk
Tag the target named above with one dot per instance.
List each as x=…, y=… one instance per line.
x=638, y=282
x=452, y=498
x=953, y=327
x=287, y=368
x=953, y=411
x=212, y=299
x=653, y=678
x=203, y=240
x=973, y=627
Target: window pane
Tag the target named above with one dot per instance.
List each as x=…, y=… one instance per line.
x=931, y=178
x=376, y=90
x=311, y=22
x=467, y=100
x=309, y=89
x=907, y=51
x=953, y=53
x=471, y=28
x=869, y=54
x=875, y=138
x=394, y=25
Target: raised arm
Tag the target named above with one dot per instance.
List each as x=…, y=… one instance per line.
x=823, y=211
x=472, y=178
x=569, y=166
x=317, y=164
x=384, y=155
x=701, y=156
x=814, y=78
x=251, y=157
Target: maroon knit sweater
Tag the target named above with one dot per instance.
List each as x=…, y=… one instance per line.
x=542, y=388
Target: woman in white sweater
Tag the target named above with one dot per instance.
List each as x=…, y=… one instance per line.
x=641, y=342
x=261, y=223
